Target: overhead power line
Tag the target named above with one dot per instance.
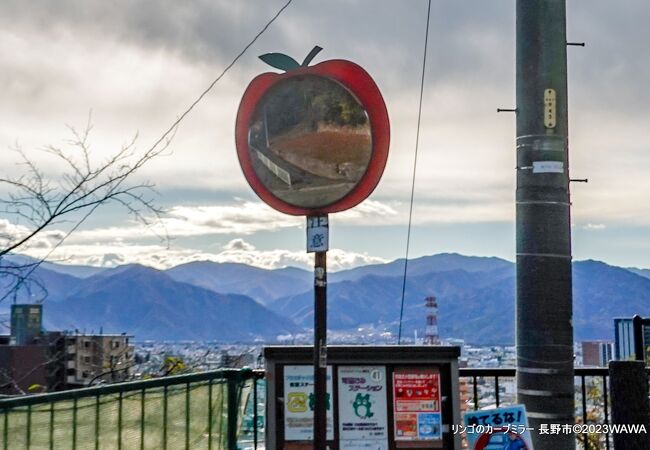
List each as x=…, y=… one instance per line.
x=152, y=150
x=415, y=164
x=171, y=129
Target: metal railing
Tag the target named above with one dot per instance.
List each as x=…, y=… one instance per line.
x=219, y=410
x=194, y=411
x=252, y=427
x=592, y=396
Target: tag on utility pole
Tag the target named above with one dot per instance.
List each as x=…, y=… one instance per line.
x=317, y=234
x=322, y=357
x=548, y=167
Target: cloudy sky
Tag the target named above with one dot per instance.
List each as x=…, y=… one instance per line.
x=137, y=65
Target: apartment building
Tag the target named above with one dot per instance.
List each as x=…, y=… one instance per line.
x=35, y=360
x=95, y=358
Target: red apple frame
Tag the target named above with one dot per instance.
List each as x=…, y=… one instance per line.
x=358, y=82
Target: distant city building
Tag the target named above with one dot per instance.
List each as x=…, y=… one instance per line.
x=98, y=357
x=237, y=361
x=34, y=360
x=596, y=353
x=36, y=366
x=26, y=323
x=624, y=348
x=22, y=367
x=455, y=341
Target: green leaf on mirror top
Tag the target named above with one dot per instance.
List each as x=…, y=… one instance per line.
x=280, y=61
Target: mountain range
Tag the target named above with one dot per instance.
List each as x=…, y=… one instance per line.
x=235, y=302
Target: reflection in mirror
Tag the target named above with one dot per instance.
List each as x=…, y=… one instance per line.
x=310, y=141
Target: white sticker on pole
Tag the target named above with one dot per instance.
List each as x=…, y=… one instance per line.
x=299, y=403
x=317, y=234
x=500, y=428
x=363, y=418
x=548, y=167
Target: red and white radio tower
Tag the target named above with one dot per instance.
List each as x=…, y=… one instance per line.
x=431, y=336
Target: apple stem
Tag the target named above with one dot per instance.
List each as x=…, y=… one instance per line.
x=312, y=54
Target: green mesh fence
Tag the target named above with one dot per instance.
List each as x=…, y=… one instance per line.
x=196, y=411
x=251, y=417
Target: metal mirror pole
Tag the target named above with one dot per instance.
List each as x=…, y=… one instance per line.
x=318, y=242
x=320, y=350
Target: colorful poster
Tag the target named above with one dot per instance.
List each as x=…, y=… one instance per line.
x=363, y=418
x=500, y=428
x=429, y=426
x=299, y=403
x=416, y=405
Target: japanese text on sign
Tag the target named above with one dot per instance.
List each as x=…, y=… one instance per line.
x=417, y=412
x=501, y=426
x=362, y=407
x=299, y=403
x=317, y=234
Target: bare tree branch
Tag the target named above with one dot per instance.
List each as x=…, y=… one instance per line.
x=36, y=203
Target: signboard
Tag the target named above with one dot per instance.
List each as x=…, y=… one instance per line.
x=317, y=234
x=498, y=429
x=416, y=405
x=363, y=422
x=550, y=108
x=299, y=403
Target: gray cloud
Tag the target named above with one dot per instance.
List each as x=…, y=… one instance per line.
x=201, y=28
x=139, y=63
x=610, y=74
x=471, y=41
x=389, y=32
x=465, y=36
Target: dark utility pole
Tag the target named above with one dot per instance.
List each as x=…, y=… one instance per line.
x=544, y=299
x=320, y=350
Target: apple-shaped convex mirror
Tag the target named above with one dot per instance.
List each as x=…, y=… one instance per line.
x=314, y=139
